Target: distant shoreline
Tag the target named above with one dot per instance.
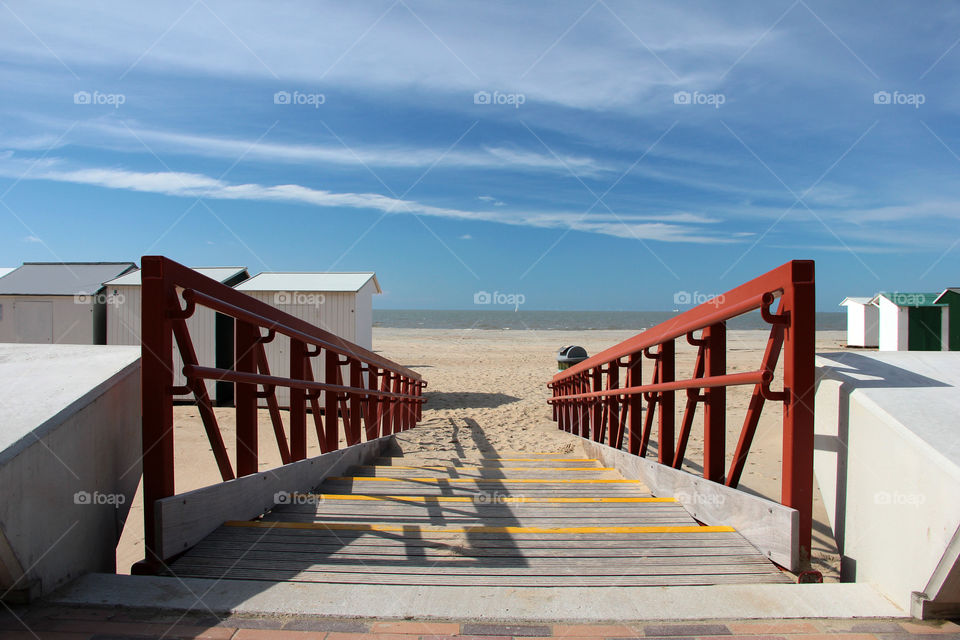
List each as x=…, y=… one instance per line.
x=521, y=319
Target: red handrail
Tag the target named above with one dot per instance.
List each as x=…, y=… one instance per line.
x=584, y=406
x=380, y=398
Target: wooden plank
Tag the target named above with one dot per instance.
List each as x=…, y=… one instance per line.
x=473, y=568
x=480, y=580
x=772, y=528
x=186, y=518
x=216, y=547
x=331, y=526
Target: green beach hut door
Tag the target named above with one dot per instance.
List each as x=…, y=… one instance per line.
x=924, y=333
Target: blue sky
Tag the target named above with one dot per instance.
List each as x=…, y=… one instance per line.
x=587, y=155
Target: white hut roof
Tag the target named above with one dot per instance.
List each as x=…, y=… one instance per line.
x=61, y=278
x=220, y=274
x=855, y=300
x=5, y=270
x=306, y=281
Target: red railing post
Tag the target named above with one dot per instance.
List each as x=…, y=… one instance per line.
x=665, y=437
x=596, y=409
x=247, y=338
x=356, y=380
x=156, y=403
x=715, y=407
x=635, y=423
x=298, y=402
x=613, y=415
x=798, y=379
x=331, y=423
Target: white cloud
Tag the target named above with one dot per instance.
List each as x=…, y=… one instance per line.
x=669, y=227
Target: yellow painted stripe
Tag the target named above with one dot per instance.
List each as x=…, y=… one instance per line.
x=388, y=466
x=339, y=496
x=484, y=480
x=542, y=459
x=338, y=526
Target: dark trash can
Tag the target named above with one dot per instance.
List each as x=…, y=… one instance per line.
x=570, y=356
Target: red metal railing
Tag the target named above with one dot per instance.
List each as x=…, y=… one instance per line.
x=586, y=405
x=380, y=398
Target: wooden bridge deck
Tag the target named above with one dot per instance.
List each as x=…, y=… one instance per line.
x=537, y=520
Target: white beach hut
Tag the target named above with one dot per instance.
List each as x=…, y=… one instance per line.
x=57, y=302
x=863, y=322
x=912, y=322
x=341, y=303
x=210, y=332
x=5, y=270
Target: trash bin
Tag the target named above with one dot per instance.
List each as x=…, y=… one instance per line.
x=570, y=356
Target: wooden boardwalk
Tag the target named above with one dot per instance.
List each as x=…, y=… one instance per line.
x=531, y=520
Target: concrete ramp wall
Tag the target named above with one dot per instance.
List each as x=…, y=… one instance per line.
x=888, y=465
x=69, y=461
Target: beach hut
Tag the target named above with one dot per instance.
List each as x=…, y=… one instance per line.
x=863, y=325
x=57, y=302
x=5, y=270
x=912, y=322
x=341, y=303
x=951, y=298
x=210, y=332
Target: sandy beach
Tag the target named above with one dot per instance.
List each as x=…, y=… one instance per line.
x=487, y=393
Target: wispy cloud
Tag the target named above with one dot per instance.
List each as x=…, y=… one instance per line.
x=99, y=134
x=668, y=227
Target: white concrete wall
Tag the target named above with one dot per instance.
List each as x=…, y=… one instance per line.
x=123, y=328
x=46, y=320
x=890, y=494
x=333, y=312
x=69, y=424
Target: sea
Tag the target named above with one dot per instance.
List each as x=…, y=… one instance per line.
x=561, y=320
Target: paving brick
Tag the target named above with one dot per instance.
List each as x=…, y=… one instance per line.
x=875, y=626
x=590, y=630
x=833, y=635
x=43, y=635
x=941, y=626
x=337, y=635
x=325, y=624
x=685, y=630
x=776, y=627
x=480, y=629
x=417, y=628
x=244, y=622
x=278, y=634
x=468, y=637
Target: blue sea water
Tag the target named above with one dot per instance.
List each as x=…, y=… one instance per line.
x=560, y=320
